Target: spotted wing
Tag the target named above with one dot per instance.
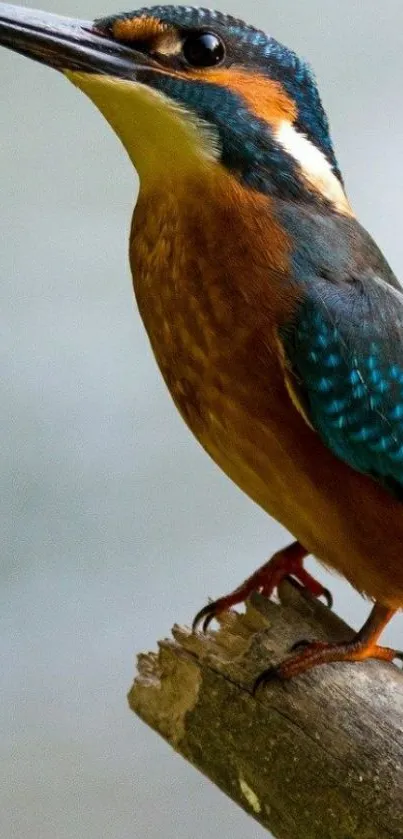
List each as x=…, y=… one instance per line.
x=345, y=350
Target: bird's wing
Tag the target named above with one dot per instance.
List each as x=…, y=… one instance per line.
x=344, y=360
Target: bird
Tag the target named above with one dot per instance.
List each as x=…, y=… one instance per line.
x=274, y=318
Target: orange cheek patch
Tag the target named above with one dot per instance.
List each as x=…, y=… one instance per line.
x=138, y=29
x=266, y=98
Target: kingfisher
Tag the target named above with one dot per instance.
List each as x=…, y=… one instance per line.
x=274, y=318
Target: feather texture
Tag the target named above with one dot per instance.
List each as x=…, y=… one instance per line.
x=345, y=348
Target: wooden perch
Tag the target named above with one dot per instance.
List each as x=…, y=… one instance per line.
x=317, y=758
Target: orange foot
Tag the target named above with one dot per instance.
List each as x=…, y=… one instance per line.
x=362, y=646
x=285, y=563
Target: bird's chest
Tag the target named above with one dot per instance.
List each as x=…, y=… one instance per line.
x=186, y=273
x=209, y=302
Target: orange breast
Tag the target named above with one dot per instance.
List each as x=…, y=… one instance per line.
x=209, y=295
x=210, y=269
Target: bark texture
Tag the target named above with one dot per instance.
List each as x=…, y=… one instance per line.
x=320, y=757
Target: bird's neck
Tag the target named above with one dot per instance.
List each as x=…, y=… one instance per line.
x=274, y=156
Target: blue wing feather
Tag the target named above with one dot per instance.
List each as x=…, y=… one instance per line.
x=345, y=348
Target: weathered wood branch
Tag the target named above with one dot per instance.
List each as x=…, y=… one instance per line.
x=317, y=758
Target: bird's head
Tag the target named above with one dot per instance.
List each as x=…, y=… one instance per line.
x=189, y=89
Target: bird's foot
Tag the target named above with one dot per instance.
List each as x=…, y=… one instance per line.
x=312, y=654
x=285, y=563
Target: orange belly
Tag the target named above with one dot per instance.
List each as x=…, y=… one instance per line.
x=345, y=519
x=213, y=334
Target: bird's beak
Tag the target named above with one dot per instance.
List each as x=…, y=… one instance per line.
x=119, y=81
x=67, y=44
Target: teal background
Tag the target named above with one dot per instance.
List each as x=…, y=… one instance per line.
x=114, y=523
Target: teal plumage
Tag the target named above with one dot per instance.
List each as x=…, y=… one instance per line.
x=345, y=347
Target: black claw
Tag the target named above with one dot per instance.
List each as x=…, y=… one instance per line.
x=326, y=594
x=207, y=621
x=328, y=597
x=399, y=655
x=300, y=645
x=204, y=613
x=272, y=674
x=205, y=616
x=293, y=582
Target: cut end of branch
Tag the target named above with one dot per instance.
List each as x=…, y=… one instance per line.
x=319, y=756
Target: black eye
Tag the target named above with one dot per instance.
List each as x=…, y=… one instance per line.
x=203, y=50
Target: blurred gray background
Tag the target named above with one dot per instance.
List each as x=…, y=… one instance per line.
x=114, y=523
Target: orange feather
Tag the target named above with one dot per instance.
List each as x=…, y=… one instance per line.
x=265, y=98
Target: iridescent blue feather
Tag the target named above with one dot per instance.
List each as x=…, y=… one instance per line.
x=346, y=350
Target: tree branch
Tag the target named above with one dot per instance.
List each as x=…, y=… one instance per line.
x=320, y=757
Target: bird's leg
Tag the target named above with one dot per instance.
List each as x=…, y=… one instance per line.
x=285, y=563
x=363, y=645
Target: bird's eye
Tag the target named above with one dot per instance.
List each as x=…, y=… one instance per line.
x=203, y=50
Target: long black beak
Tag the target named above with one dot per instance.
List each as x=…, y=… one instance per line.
x=67, y=44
